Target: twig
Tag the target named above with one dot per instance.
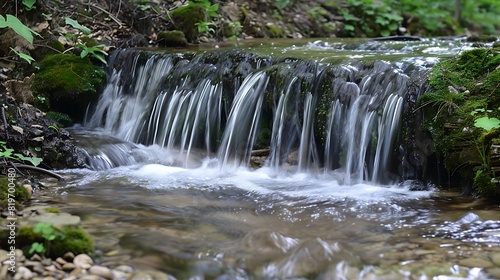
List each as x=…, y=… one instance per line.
x=41, y=170
x=15, y=167
x=5, y=124
x=108, y=13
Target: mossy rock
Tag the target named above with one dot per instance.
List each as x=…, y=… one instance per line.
x=68, y=239
x=62, y=120
x=185, y=19
x=20, y=193
x=174, y=38
x=462, y=90
x=274, y=31
x=69, y=82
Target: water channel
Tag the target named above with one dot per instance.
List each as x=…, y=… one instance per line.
x=170, y=185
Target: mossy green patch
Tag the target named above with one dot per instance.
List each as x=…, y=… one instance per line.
x=465, y=91
x=185, y=19
x=274, y=31
x=174, y=38
x=69, y=82
x=69, y=239
x=62, y=120
x=20, y=193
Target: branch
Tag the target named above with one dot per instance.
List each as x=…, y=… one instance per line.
x=41, y=170
x=111, y=16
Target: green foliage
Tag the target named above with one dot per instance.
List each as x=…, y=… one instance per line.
x=46, y=239
x=7, y=153
x=87, y=48
x=483, y=184
x=25, y=57
x=49, y=234
x=237, y=27
x=29, y=4
x=20, y=193
x=460, y=114
x=282, y=3
x=487, y=123
x=205, y=27
x=16, y=25
x=370, y=18
x=85, y=30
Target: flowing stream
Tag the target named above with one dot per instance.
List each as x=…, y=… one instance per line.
x=273, y=161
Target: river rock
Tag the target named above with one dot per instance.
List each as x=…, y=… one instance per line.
x=495, y=258
x=69, y=257
x=83, y=261
x=23, y=273
x=101, y=271
x=55, y=219
x=125, y=269
x=475, y=262
x=3, y=256
x=150, y=275
x=68, y=266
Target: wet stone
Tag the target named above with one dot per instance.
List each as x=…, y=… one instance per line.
x=495, y=258
x=101, y=271
x=3, y=255
x=69, y=257
x=153, y=275
x=23, y=273
x=61, y=261
x=475, y=262
x=46, y=262
x=124, y=269
x=68, y=266
x=83, y=261
x=494, y=273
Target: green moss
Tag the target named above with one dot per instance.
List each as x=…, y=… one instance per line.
x=483, y=185
x=62, y=120
x=173, y=38
x=274, y=31
x=20, y=193
x=185, y=19
x=71, y=239
x=462, y=90
x=52, y=210
x=69, y=82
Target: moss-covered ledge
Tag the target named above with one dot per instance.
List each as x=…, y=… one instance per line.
x=67, y=83
x=462, y=112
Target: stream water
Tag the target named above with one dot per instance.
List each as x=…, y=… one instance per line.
x=169, y=185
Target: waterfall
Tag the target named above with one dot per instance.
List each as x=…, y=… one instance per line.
x=322, y=117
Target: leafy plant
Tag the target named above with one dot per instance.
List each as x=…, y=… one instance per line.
x=282, y=3
x=16, y=25
x=8, y=153
x=96, y=52
x=28, y=58
x=74, y=23
x=27, y=33
x=48, y=233
x=29, y=4
x=205, y=27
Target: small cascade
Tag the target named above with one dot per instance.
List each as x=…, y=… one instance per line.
x=321, y=117
x=244, y=118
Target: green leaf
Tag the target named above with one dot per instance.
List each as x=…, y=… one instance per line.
x=78, y=26
x=29, y=4
x=28, y=58
x=21, y=29
x=487, y=123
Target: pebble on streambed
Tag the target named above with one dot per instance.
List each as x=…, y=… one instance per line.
x=69, y=267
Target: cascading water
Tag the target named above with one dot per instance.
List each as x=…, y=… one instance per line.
x=172, y=135
x=322, y=116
